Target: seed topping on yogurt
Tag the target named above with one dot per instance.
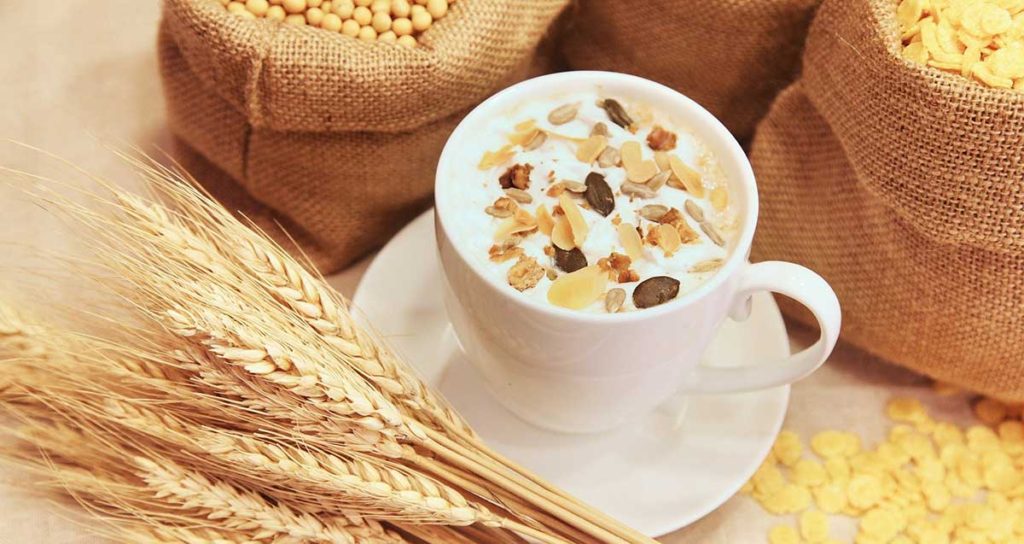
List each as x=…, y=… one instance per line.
x=596, y=204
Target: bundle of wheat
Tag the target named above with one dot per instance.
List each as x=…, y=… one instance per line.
x=232, y=397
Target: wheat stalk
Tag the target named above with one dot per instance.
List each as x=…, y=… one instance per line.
x=246, y=365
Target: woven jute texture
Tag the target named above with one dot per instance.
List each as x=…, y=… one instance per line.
x=904, y=187
x=335, y=138
x=731, y=56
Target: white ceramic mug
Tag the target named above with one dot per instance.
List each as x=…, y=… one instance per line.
x=583, y=372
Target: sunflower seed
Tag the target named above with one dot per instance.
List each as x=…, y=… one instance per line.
x=653, y=212
x=571, y=260
x=574, y=186
x=638, y=190
x=552, y=275
x=712, y=233
x=599, y=195
x=614, y=299
x=608, y=158
x=617, y=114
x=655, y=291
x=498, y=212
x=563, y=114
x=519, y=195
x=695, y=211
x=706, y=266
x=538, y=139
x=658, y=180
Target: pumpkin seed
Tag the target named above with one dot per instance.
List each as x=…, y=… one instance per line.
x=537, y=140
x=563, y=114
x=695, y=211
x=614, y=299
x=617, y=114
x=638, y=190
x=655, y=291
x=519, y=195
x=658, y=180
x=706, y=266
x=653, y=212
x=609, y=157
x=600, y=129
x=570, y=261
x=599, y=195
x=498, y=212
x=712, y=233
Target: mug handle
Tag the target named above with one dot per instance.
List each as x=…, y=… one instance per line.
x=806, y=287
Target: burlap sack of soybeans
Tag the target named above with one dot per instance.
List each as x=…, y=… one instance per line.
x=335, y=138
x=904, y=187
x=731, y=56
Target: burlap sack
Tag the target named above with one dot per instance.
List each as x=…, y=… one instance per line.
x=904, y=187
x=731, y=56
x=336, y=138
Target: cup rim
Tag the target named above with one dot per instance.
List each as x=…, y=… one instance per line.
x=710, y=128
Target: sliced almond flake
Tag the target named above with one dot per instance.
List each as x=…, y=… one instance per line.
x=511, y=227
x=496, y=158
x=637, y=169
x=561, y=234
x=630, y=240
x=661, y=159
x=588, y=151
x=575, y=139
x=576, y=221
x=544, y=221
x=526, y=126
x=578, y=289
x=706, y=266
x=668, y=238
x=688, y=176
x=536, y=140
x=658, y=180
x=720, y=198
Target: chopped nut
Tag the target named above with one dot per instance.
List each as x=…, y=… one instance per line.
x=501, y=253
x=525, y=274
x=660, y=139
x=617, y=266
x=609, y=157
x=517, y=175
x=600, y=129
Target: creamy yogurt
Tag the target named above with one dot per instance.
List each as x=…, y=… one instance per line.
x=555, y=160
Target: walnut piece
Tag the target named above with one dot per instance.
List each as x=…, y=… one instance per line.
x=517, y=175
x=661, y=140
x=525, y=274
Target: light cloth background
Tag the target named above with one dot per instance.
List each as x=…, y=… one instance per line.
x=78, y=73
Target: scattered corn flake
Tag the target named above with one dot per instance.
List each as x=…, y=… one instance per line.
x=783, y=534
x=830, y=498
x=808, y=473
x=788, y=448
x=814, y=526
x=864, y=490
x=905, y=409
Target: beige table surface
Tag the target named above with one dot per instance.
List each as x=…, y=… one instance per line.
x=75, y=72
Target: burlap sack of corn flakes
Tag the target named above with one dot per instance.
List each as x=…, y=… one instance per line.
x=904, y=187
x=334, y=138
x=731, y=56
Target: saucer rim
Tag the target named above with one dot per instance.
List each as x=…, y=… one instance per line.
x=653, y=529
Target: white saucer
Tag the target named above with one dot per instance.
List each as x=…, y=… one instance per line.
x=656, y=475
